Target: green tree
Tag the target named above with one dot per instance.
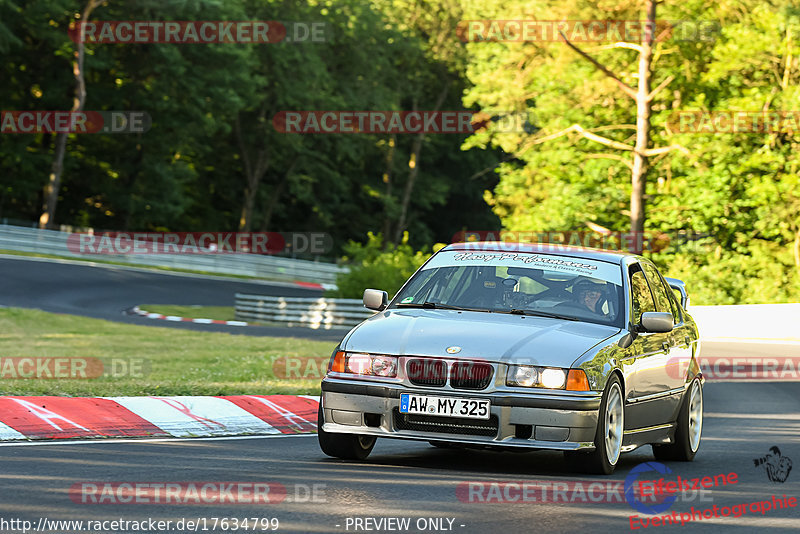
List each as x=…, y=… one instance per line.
x=373, y=266
x=739, y=189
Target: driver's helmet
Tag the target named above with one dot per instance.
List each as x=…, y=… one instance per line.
x=588, y=285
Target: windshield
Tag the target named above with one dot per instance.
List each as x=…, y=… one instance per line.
x=521, y=283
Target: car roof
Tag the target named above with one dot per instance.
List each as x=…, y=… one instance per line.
x=611, y=256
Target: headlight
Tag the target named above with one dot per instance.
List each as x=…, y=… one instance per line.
x=522, y=375
x=360, y=363
x=553, y=378
x=384, y=365
x=529, y=376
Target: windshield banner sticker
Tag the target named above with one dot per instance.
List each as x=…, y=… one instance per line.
x=524, y=258
x=576, y=266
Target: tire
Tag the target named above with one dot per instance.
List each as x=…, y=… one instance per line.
x=689, y=428
x=608, y=437
x=344, y=446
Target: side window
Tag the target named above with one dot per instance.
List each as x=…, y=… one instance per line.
x=675, y=293
x=641, y=298
x=673, y=302
x=663, y=303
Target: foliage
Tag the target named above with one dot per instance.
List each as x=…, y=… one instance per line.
x=740, y=189
x=372, y=265
x=188, y=172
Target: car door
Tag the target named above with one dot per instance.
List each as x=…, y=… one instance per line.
x=660, y=377
x=680, y=339
x=650, y=353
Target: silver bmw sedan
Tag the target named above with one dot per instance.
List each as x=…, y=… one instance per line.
x=590, y=352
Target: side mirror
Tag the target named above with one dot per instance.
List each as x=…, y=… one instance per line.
x=375, y=299
x=657, y=321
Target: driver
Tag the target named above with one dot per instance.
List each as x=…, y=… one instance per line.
x=589, y=295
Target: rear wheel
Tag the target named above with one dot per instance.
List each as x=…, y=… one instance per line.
x=608, y=437
x=344, y=446
x=689, y=428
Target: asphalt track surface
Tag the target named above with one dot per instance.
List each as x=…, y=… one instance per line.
x=107, y=292
x=414, y=480
x=400, y=479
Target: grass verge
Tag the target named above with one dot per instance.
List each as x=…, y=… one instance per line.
x=167, y=361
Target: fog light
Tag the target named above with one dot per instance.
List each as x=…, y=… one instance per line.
x=522, y=375
x=553, y=378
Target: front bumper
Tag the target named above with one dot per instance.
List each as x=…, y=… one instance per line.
x=540, y=420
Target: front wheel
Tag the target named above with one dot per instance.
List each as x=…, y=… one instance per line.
x=344, y=446
x=689, y=428
x=608, y=437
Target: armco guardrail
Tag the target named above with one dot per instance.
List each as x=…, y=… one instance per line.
x=319, y=313
x=755, y=321
x=22, y=239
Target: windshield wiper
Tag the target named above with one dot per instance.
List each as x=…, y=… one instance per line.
x=436, y=306
x=515, y=311
x=426, y=304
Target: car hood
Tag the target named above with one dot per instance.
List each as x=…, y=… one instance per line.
x=480, y=335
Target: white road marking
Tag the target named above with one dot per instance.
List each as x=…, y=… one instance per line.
x=48, y=416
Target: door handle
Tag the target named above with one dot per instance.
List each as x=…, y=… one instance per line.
x=665, y=347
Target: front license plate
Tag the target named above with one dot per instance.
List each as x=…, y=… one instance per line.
x=444, y=406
